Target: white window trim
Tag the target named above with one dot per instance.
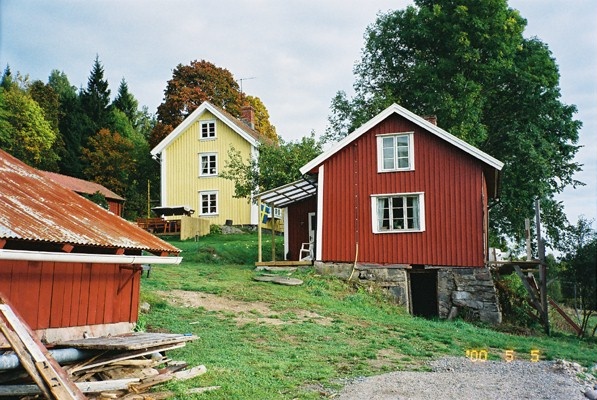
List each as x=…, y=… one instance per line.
x=201, y=123
x=201, y=155
x=374, y=217
x=411, y=152
x=207, y=193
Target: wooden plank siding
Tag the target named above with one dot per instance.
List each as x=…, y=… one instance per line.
x=58, y=295
x=451, y=180
x=180, y=172
x=298, y=229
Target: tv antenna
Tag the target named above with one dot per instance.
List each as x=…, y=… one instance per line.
x=244, y=79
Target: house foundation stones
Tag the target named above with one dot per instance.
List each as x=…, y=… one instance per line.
x=469, y=292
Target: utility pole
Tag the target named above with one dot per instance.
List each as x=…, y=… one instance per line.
x=542, y=267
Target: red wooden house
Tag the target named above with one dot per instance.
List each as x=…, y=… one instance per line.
x=405, y=203
x=67, y=265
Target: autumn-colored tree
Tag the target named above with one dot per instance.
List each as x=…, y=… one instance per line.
x=110, y=160
x=190, y=86
x=262, y=124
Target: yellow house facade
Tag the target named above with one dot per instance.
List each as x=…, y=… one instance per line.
x=192, y=158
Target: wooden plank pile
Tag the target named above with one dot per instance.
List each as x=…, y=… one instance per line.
x=118, y=367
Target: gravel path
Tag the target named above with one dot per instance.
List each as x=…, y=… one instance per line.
x=459, y=378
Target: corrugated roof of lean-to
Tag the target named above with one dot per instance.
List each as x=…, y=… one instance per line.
x=35, y=208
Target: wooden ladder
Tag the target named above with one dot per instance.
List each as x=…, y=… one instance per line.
x=47, y=374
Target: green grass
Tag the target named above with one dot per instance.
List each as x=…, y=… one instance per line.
x=358, y=331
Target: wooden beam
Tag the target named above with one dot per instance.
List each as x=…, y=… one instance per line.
x=2, y=243
x=55, y=377
x=119, y=251
x=533, y=295
x=85, y=387
x=67, y=247
x=573, y=324
x=259, y=255
x=273, y=226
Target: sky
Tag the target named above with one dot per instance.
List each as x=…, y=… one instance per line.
x=294, y=54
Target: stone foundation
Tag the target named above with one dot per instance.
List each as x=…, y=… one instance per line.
x=469, y=292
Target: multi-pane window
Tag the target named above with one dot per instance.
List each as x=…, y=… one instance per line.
x=208, y=164
x=398, y=212
x=395, y=152
x=208, y=203
x=208, y=129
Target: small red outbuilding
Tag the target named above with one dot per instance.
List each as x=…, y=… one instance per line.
x=67, y=265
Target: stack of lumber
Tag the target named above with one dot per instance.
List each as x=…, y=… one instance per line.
x=117, y=367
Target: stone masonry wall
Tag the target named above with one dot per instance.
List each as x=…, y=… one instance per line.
x=466, y=291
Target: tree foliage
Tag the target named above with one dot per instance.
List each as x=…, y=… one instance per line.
x=95, y=100
x=277, y=165
x=580, y=269
x=467, y=62
x=190, y=86
x=25, y=133
x=110, y=160
x=203, y=81
x=262, y=123
x=126, y=102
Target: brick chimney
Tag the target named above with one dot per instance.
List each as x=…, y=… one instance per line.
x=247, y=114
x=431, y=118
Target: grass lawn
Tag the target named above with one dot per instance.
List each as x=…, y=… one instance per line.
x=282, y=342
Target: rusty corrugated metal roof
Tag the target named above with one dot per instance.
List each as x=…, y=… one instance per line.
x=35, y=208
x=82, y=186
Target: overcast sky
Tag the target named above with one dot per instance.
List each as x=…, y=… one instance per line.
x=294, y=55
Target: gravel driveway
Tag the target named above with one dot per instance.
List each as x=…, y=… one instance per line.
x=459, y=378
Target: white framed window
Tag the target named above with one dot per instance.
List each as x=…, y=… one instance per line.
x=208, y=164
x=207, y=130
x=208, y=202
x=398, y=212
x=395, y=152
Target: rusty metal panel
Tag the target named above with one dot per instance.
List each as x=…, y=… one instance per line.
x=36, y=209
x=451, y=180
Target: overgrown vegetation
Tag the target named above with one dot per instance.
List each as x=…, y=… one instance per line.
x=301, y=342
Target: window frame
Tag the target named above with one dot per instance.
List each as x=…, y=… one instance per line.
x=208, y=154
x=380, y=152
x=208, y=193
x=207, y=123
x=375, y=218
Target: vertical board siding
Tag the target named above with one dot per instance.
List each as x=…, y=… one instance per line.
x=58, y=295
x=451, y=180
x=182, y=180
x=298, y=230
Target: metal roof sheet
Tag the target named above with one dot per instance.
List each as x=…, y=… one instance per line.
x=289, y=193
x=35, y=208
x=82, y=186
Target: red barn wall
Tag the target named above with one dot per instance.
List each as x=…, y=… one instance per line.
x=453, y=184
x=59, y=295
x=298, y=226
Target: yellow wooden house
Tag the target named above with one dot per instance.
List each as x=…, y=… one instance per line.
x=192, y=158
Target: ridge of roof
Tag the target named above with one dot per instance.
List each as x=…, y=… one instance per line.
x=81, y=185
x=246, y=132
x=409, y=115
